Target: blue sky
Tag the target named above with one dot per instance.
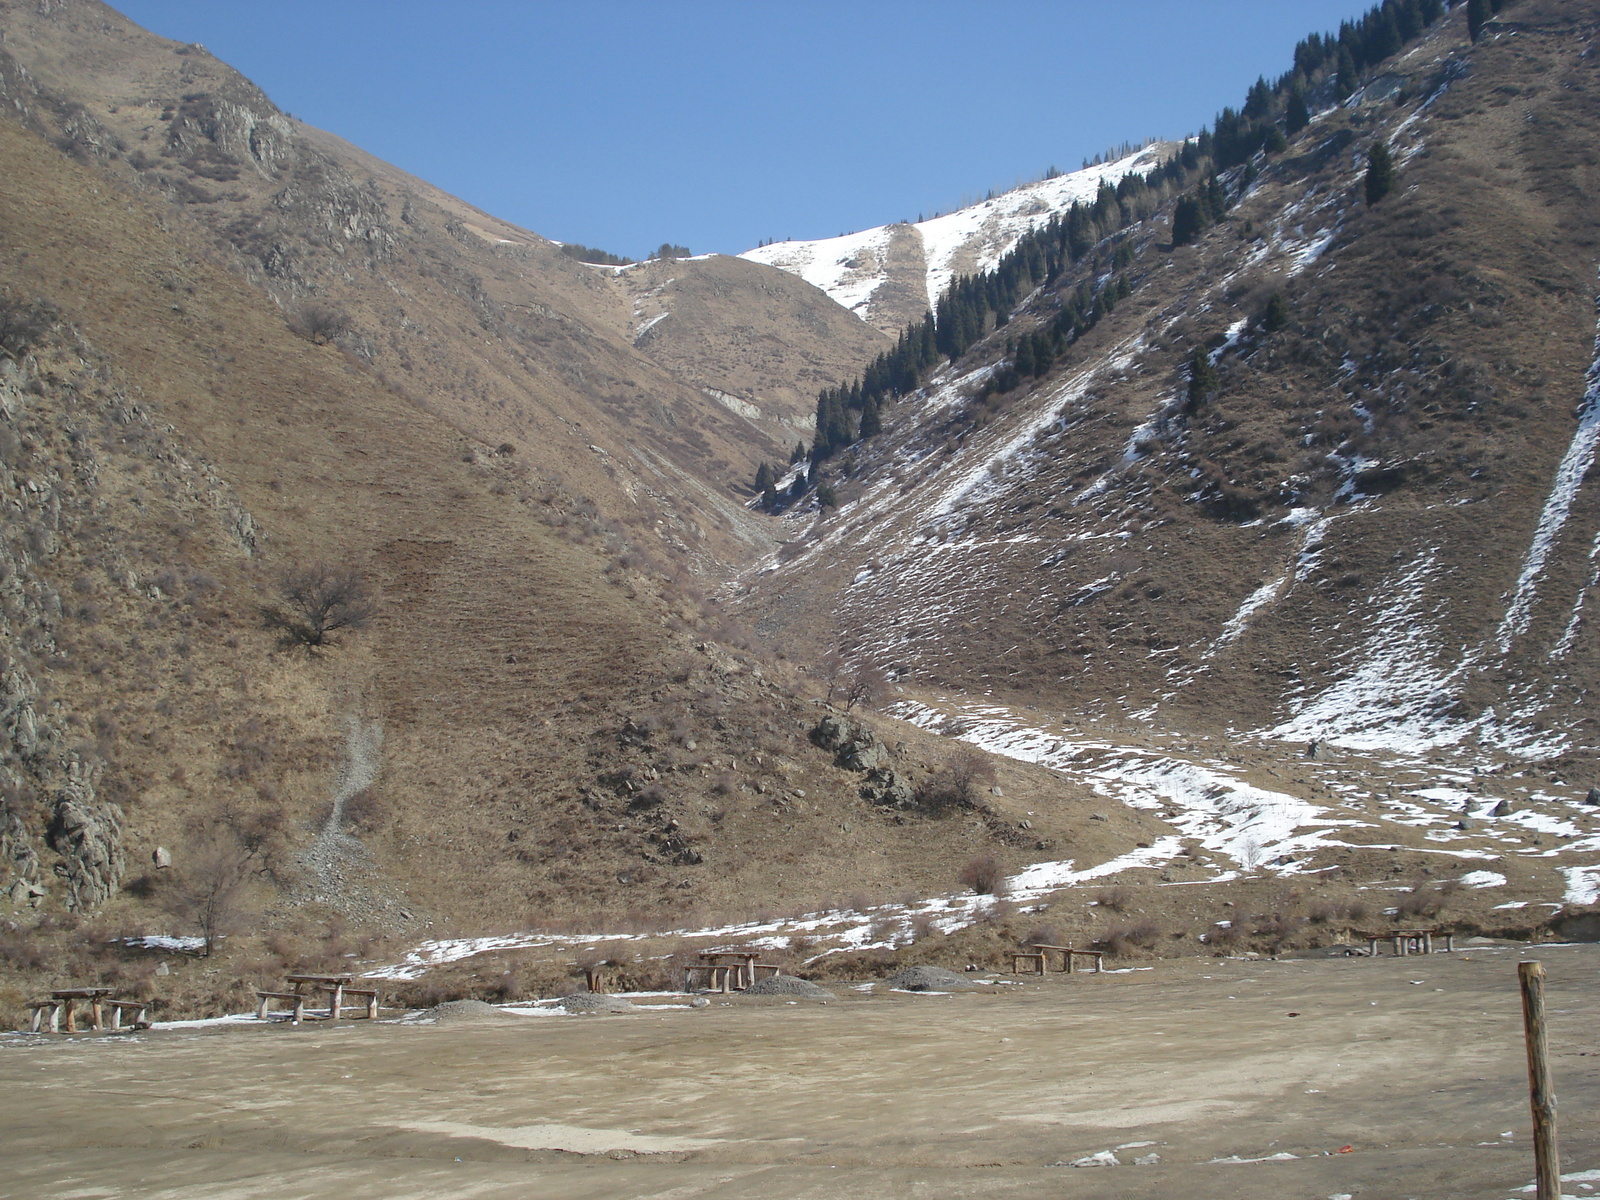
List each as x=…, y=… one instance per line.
x=624, y=124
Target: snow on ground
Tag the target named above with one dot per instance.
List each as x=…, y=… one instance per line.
x=851, y=267
x=1574, y=466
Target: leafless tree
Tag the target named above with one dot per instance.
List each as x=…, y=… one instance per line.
x=210, y=885
x=321, y=599
x=864, y=684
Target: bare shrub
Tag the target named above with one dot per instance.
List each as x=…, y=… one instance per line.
x=864, y=684
x=1042, y=935
x=1121, y=939
x=959, y=782
x=319, y=322
x=984, y=874
x=1279, y=928
x=1323, y=912
x=1117, y=899
x=23, y=323
x=319, y=600
x=1426, y=900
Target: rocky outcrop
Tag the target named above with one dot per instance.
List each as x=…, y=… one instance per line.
x=857, y=748
x=87, y=834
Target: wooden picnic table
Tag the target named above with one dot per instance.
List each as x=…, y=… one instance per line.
x=1040, y=957
x=735, y=975
x=47, y=1014
x=96, y=996
x=336, y=986
x=1407, y=941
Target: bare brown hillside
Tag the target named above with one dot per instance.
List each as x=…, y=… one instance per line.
x=552, y=730
x=484, y=323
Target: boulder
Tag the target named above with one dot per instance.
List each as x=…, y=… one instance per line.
x=161, y=858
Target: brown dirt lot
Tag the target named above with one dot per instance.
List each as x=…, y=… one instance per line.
x=1416, y=1065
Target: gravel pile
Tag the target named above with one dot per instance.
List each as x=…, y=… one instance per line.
x=788, y=985
x=593, y=1002
x=928, y=979
x=461, y=1010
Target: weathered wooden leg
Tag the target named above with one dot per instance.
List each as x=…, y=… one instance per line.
x=335, y=1002
x=116, y=1017
x=72, y=1016
x=261, y=1008
x=1427, y=943
x=1372, y=947
x=1541, y=1092
x=1450, y=942
x=372, y=1007
x=95, y=1021
x=38, y=1020
x=299, y=1008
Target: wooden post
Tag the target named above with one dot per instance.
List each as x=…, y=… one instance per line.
x=1541, y=1094
x=335, y=1001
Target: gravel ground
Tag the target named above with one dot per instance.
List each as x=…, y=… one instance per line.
x=452, y=1011
x=788, y=985
x=929, y=979
x=592, y=1002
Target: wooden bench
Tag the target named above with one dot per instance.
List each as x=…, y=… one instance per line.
x=135, y=1007
x=1018, y=957
x=264, y=1005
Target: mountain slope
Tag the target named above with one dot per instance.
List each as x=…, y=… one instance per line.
x=1375, y=531
x=892, y=274
x=486, y=324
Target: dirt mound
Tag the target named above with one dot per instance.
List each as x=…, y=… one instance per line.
x=928, y=979
x=452, y=1011
x=788, y=985
x=593, y=1002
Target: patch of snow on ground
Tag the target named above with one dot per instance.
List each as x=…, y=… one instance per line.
x=1574, y=465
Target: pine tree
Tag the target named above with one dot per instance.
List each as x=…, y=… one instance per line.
x=1188, y=220
x=1276, y=315
x=1380, y=173
x=871, y=419
x=1345, y=81
x=764, y=477
x=797, y=454
x=1478, y=15
x=1203, y=379
x=1296, y=116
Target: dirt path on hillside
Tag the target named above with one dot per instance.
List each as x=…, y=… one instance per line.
x=1415, y=1065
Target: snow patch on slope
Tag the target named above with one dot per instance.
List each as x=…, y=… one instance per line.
x=850, y=268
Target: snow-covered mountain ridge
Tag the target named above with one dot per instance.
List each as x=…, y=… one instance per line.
x=892, y=274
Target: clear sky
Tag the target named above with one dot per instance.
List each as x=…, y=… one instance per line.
x=716, y=124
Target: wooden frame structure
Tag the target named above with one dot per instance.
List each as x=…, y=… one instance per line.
x=1040, y=957
x=337, y=987
x=733, y=976
x=47, y=1015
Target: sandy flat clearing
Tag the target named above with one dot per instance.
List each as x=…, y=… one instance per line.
x=1414, y=1064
